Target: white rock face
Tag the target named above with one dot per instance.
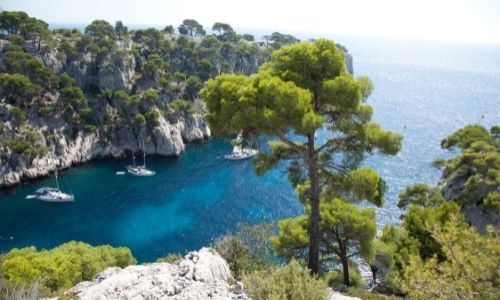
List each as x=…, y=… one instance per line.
x=193, y=128
x=167, y=139
x=200, y=275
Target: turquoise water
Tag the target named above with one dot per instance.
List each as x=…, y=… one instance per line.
x=424, y=91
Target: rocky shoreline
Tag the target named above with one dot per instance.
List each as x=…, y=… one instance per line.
x=166, y=140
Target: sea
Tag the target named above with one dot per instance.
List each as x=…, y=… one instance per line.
x=423, y=90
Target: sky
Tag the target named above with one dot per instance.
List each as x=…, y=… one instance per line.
x=438, y=20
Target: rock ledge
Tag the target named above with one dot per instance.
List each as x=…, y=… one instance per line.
x=201, y=274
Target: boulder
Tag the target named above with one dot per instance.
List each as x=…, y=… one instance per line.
x=200, y=275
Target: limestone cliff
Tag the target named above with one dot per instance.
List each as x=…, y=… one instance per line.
x=474, y=213
x=95, y=96
x=165, y=139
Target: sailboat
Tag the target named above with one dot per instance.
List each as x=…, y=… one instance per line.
x=240, y=152
x=140, y=170
x=51, y=194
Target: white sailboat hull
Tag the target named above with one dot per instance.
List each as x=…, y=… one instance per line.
x=140, y=171
x=53, y=195
x=241, y=153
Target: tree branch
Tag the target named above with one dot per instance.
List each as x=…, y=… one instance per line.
x=287, y=141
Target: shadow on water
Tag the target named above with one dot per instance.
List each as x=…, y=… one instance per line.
x=191, y=200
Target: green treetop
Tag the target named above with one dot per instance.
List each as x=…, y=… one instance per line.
x=477, y=167
x=100, y=30
x=305, y=88
x=191, y=27
x=345, y=230
x=120, y=29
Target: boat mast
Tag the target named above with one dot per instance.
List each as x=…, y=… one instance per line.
x=56, y=173
x=57, y=181
x=144, y=154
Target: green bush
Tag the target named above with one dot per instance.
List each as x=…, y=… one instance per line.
x=29, y=143
x=335, y=278
x=249, y=249
x=65, y=80
x=179, y=105
x=90, y=128
x=140, y=120
x=289, y=282
x=185, y=106
x=60, y=267
x=17, y=115
x=170, y=259
x=46, y=110
x=17, y=88
x=152, y=118
x=237, y=255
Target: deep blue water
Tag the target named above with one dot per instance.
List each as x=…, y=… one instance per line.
x=424, y=91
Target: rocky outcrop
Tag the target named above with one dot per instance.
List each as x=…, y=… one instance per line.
x=475, y=214
x=200, y=275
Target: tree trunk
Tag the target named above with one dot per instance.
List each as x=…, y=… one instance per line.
x=314, y=199
x=374, y=273
x=345, y=269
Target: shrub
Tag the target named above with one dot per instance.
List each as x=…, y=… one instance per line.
x=469, y=269
x=90, y=128
x=46, y=110
x=17, y=88
x=140, y=120
x=60, y=267
x=249, y=249
x=335, y=278
x=17, y=115
x=65, y=80
x=152, y=118
x=289, y=282
x=237, y=255
x=185, y=106
x=150, y=95
x=174, y=258
x=29, y=143
x=179, y=105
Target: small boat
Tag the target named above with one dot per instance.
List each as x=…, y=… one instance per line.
x=50, y=194
x=53, y=195
x=240, y=153
x=140, y=170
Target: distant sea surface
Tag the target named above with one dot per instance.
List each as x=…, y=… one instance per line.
x=423, y=90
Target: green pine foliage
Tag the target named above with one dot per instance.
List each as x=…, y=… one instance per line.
x=477, y=167
x=248, y=249
x=346, y=232
x=60, y=267
x=468, y=269
x=288, y=282
x=304, y=88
